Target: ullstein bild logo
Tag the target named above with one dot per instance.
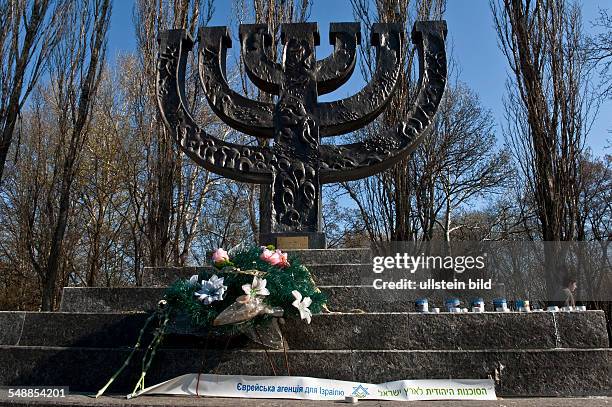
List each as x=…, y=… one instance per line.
x=404, y=261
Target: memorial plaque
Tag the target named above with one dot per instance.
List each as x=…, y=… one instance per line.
x=292, y=242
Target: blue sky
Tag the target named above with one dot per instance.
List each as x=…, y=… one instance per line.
x=471, y=37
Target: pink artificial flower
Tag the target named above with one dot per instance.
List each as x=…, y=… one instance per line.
x=275, y=258
x=220, y=256
x=266, y=255
x=284, y=261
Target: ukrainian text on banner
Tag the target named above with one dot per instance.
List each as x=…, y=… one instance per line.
x=308, y=388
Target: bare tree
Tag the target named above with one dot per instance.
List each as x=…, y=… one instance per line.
x=548, y=110
x=76, y=70
x=23, y=191
x=384, y=201
x=599, y=49
x=170, y=210
x=467, y=164
x=100, y=189
x=455, y=163
x=29, y=31
x=596, y=199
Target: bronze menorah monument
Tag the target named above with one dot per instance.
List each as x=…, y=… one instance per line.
x=297, y=164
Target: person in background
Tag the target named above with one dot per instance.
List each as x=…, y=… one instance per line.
x=567, y=292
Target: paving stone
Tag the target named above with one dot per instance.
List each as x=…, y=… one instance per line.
x=76, y=399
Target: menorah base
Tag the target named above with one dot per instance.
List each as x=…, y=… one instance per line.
x=294, y=240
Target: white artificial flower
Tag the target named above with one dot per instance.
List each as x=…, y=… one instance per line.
x=212, y=290
x=193, y=280
x=257, y=287
x=302, y=305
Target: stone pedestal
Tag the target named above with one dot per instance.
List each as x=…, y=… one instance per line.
x=527, y=354
x=294, y=240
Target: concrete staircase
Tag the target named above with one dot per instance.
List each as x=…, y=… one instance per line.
x=368, y=340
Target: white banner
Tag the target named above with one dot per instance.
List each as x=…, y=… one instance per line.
x=309, y=388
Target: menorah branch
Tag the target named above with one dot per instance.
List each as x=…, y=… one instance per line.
x=239, y=162
x=383, y=150
x=336, y=69
x=246, y=115
x=256, y=47
x=342, y=116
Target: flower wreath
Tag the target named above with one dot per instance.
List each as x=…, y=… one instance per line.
x=246, y=290
x=245, y=293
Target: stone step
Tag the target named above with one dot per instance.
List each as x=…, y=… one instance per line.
x=365, y=298
x=323, y=274
x=337, y=331
x=116, y=299
x=333, y=256
x=121, y=299
x=557, y=372
x=340, y=299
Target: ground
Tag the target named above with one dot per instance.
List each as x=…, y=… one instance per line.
x=165, y=401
